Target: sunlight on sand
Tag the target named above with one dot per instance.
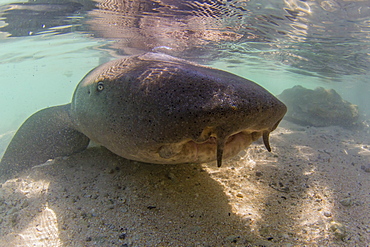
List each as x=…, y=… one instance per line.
x=293, y=206
x=42, y=229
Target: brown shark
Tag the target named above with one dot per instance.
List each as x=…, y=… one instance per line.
x=152, y=108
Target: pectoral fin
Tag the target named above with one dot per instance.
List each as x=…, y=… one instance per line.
x=47, y=134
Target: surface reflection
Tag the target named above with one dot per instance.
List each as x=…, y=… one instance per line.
x=329, y=38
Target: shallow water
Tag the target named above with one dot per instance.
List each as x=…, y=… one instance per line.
x=46, y=47
x=277, y=44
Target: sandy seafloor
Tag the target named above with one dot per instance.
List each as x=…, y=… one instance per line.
x=312, y=190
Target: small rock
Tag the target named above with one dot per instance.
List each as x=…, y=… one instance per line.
x=88, y=239
x=239, y=195
x=171, y=176
x=366, y=168
x=327, y=214
x=285, y=189
x=122, y=236
x=259, y=174
x=346, y=202
x=338, y=229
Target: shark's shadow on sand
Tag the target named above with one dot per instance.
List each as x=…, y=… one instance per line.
x=99, y=198
x=288, y=197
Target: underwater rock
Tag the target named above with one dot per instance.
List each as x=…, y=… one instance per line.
x=339, y=230
x=366, y=168
x=320, y=107
x=346, y=202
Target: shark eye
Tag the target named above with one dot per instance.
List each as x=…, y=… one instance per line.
x=100, y=86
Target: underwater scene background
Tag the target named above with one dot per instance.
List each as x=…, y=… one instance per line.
x=312, y=190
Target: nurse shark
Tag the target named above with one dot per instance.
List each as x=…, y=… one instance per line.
x=152, y=108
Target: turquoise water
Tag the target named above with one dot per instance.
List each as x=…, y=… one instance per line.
x=42, y=71
x=276, y=44
x=47, y=46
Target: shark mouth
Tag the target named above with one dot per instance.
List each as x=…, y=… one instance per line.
x=254, y=136
x=213, y=148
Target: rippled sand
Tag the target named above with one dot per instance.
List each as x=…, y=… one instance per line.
x=312, y=190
